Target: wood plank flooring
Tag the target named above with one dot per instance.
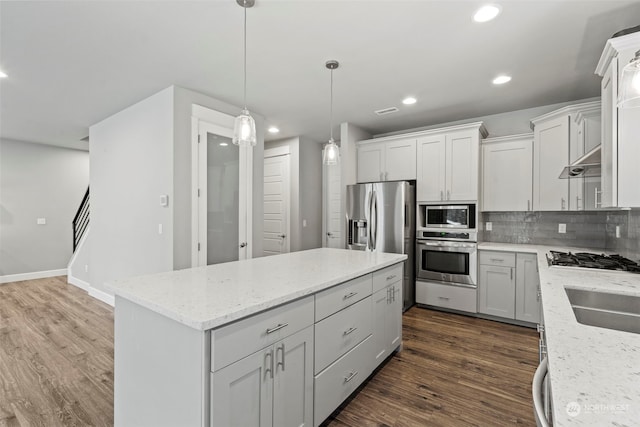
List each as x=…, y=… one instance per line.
x=56, y=366
x=56, y=355
x=453, y=371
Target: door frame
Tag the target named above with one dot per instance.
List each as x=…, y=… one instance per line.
x=205, y=120
x=282, y=152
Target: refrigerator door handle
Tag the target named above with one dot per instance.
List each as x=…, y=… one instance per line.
x=374, y=218
x=370, y=222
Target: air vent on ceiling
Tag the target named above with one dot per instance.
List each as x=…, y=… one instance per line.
x=385, y=111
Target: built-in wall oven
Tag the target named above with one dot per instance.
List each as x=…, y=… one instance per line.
x=449, y=257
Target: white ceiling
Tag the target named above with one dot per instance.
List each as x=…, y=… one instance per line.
x=74, y=63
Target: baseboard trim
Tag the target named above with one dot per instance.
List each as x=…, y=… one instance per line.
x=77, y=282
x=35, y=275
x=102, y=296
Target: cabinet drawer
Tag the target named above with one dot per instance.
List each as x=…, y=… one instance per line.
x=334, y=384
x=338, y=297
x=340, y=332
x=237, y=340
x=387, y=276
x=447, y=296
x=503, y=259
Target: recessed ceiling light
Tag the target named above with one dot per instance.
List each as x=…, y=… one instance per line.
x=409, y=100
x=2, y=74
x=223, y=144
x=487, y=13
x=273, y=129
x=500, y=80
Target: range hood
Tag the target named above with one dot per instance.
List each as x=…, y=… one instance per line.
x=586, y=166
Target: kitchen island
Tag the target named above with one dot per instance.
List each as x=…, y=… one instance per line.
x=594, y=371
x=280, y=340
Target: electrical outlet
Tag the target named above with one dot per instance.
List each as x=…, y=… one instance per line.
x=41, y=221
x=488, y=226
x=562, y=228
x=304, y=222
x=160, y=229
x=617, y=231
x=86, y=268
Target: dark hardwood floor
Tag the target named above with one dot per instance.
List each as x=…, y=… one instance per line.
x=56, y=366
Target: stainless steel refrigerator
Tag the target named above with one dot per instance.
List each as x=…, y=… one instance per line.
x=381, y=217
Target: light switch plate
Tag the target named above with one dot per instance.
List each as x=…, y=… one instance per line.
x=617, y=231
x=562, y=228
x=164, y=200
x=488, y=226
x=41, y=221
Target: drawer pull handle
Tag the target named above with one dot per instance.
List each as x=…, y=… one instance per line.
x=349, y=295
x=350, y=376
x=348, y=331
x=393, y=276
x=277, y=328
x=444, y=298
x=497, y=260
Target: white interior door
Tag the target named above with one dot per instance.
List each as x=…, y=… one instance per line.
x=222, y=193
x=332, y=215
x=276, y=234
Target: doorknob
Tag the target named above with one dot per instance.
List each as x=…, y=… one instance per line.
x=329, y=234
x=282, y=235
x=243, y=244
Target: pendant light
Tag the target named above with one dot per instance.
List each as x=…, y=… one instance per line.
x=630, y=84
x=244, y=127
x=331, y=153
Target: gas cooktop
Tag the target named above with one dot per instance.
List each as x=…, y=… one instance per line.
x=589, y=260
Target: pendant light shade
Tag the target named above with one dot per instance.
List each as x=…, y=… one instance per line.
x=244, y=127
x=629, y=96
x=331, y=152
x=244, y=130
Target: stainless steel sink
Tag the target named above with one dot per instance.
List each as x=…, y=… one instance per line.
x=605, y=310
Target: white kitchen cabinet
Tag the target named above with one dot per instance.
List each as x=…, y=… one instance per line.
x=447, y=164
x=507, y=173
x=585, y=135
x=388, y=160
x=527, y=288
x=387, y=321
x=559, y=138
x=271, y=387
x=620, y=127
x=550, y=156
x=508, y=285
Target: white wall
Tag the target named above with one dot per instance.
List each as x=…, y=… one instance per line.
x=131, y=166
x=38, y=181
x=183, y=99
x=310, y=169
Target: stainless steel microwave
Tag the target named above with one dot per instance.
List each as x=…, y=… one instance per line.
x=449, y=216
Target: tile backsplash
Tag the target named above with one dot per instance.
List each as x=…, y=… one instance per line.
x=584, y=229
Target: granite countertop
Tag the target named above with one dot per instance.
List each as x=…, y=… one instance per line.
x=207, y=297
x=598, y=369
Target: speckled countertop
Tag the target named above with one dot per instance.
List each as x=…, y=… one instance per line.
x=208, y=297
x=597, y=368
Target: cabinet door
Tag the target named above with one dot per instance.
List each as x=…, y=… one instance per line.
x=527, y=285
x=394, y=317
x=242, y=393
x=550, y=156
x=293, y=380
x=430, y=168
x=462, y=166
x=370, y=163
x=507, y=176
x=609, y=174
x=400, y=160
x=497, y=291
x=379, y=332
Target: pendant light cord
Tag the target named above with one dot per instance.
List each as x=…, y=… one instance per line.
x=331, y=109
x=245, y=55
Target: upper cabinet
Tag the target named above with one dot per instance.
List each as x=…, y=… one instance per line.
x=447, y=164
x=507, y=173
x=388, y=160
x=620, y=127
x=556, y=141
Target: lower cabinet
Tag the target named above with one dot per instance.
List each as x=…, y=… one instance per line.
x=387, y=321
x=508, y=285
x=271, y=387
x=452, y=297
